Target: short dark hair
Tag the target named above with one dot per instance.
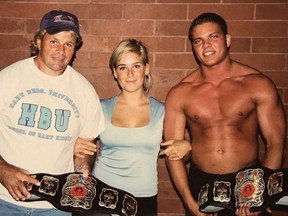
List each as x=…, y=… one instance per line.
x=208, y=17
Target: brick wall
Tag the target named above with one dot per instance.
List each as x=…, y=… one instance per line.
x=259, y=31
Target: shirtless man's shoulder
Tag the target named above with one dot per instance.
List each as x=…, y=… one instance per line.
x=249, y=76
x=240, y=72
x=186, y=83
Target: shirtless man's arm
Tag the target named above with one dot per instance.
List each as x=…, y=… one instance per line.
x=272, y=122
x=174, y=128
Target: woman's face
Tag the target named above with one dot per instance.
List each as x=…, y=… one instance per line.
x=130, y=72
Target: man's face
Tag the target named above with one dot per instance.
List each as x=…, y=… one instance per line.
x=210, y=45
x=55, y=52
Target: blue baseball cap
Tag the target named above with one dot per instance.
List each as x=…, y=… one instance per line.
x=57, y=20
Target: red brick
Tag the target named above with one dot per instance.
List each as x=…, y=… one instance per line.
x=285, y=95
x=82, y=59
x=106, y=11
x=170, y=206
x=137, y=28
x=272, y=11
x=258, y=28
x=119, y=1
x=10, y=42
x=9, y=57
x=32, y=26
x=62, y=1
x=85, y=27
x=279, y=77
x=14, y=0
x=27, y=10
x=253, y=1
x=102, y=44
x=99, y=60
x=262, y=61
x=240, y=45
x=164, y=44
x=188, y=46
x=228, y=11
x=172, y=28
x=168, y=78
x=270, y=45
x=166, y=189
x=126, y=28
x=12, y=25
x=189, y=1
x=106, y=27
x=80, y=10
x=152, y=11
x=159, y=92
x=175, y=61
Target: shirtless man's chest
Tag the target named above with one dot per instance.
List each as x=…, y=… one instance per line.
x=222, y=123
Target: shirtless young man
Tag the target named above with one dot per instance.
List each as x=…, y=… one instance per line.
x=224, y=105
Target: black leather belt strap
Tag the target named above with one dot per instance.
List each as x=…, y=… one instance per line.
x=74, y=193
x=258, y=188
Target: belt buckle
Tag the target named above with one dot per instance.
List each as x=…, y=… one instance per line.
x=222, y=191
x=249, y=188
x=78, y=191
x=275, y=183
x=48, y=185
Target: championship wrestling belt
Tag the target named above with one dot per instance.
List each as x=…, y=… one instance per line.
x=75, y=193
x=258, y=188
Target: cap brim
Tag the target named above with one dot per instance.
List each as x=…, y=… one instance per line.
x=55, y=30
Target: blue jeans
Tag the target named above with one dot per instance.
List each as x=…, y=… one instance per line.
x=9, y=209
